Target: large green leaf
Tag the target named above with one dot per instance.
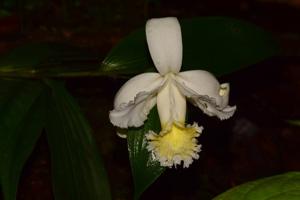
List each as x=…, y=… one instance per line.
x=21, y=122
x=48, y=60
x=145, y=170
x=216, y=44
x=280, y=187
x=77, y=169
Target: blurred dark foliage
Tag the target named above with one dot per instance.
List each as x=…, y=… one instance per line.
x=256, y=142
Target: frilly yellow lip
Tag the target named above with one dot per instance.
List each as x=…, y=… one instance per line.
x=176, y=145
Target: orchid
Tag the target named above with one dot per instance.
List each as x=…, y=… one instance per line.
x=169, y=89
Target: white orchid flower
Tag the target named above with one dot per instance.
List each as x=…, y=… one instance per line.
x=176, y=143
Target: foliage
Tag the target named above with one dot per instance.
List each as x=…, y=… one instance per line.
x=21, y=123
x=78, y=171
x=32, y=102
x=27, y=108
x=294, y=122
x=216, y=44
x=145, y=170
x=280, y=187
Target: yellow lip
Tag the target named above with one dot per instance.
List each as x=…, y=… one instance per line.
x=176, y=145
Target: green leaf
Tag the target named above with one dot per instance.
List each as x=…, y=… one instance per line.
x=145, y=170
x=4, y=13
x=48, y=60
x=77, y=169
x=216, y=44
x=280, y=187
x=294, y=122
x=21, y=123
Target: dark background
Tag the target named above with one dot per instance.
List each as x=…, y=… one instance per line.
x=255, y=143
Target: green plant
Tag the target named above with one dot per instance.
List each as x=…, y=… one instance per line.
x=32, y=100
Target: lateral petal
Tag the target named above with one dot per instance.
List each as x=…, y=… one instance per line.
x=204, y=91
x=165, y=44
x=135, y=99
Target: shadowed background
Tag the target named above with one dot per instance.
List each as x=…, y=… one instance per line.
x=256, y=142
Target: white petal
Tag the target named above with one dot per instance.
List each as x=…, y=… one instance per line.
x=135, y=99
x=204, y=91
x=165, y=44
x=171, y=105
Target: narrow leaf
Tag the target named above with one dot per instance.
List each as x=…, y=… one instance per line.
x=280, y=187
x=21, y=123
x=77, y=169
x=145, y=170
x=217, y=44
x=48, y=60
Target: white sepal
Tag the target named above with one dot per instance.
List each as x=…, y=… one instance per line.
x=165, y=44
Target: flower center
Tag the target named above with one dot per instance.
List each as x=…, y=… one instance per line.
x=176, y=145
x=170, y=75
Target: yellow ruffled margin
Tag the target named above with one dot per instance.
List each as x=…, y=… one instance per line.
x=176, y=145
